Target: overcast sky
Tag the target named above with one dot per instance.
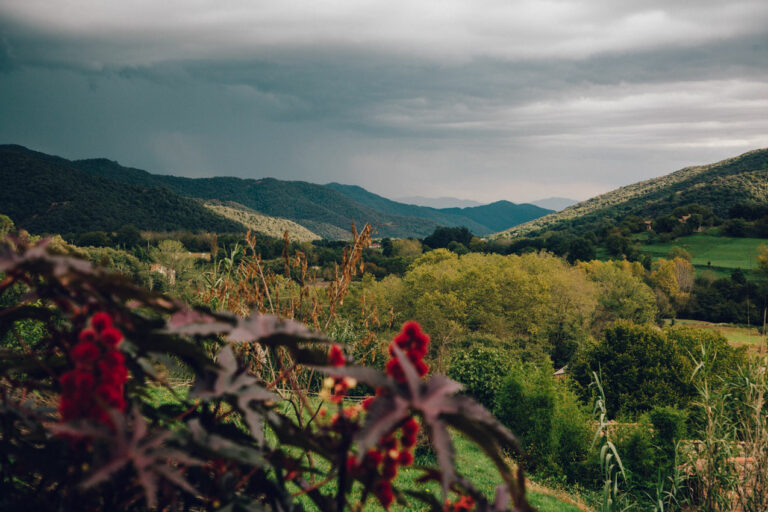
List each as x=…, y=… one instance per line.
x=478, y=99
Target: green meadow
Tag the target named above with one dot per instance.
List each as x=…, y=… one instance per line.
x=709, y=250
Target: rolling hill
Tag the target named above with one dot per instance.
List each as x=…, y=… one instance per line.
x=51, y=194
x=270, y=226
x=322, y=210
x=48, y=194
x=480, y=220
x=718, y=186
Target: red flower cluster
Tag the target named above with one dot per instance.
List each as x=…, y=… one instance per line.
x=463, y=504
x=99, y=376
x=390, y=454
x=414, y=343
x=392, y=451
x=335, y=388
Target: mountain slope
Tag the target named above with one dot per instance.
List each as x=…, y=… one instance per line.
x=717, y=186
x=499, y=215
x=437, y=202
x=270, y=226
x=555, y=203
x=383, y=204
x=481, y=220
x=322, y=210
x=48, y=194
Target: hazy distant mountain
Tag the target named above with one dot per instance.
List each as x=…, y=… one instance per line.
x=480, y=220
x=555, y=203
x=439, y=202
x=717, y=186
x=47, y=194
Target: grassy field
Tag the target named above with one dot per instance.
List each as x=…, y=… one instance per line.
x=720, y=254
x=735, y=334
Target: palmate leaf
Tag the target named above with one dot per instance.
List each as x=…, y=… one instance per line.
x=269, y=330
x=437, y=403
x=230, y=380
x=218, y=446
x=131, y=444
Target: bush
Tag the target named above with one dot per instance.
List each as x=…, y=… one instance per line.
x=669, y=427
x=640, y=367
x=547, y=417
x=481, y=369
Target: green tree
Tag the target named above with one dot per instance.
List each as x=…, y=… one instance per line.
x=128, y=236
x=387, y=249
x=640, y=367
x=6, y=225
x=481, y=369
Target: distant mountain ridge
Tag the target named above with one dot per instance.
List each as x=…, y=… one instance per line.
x=322, y=210
x=437, y=202
x=481, y=220
x=718, y=186
x=327, y=210
x=101, y=194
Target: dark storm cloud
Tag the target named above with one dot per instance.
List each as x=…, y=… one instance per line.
x=552, y=98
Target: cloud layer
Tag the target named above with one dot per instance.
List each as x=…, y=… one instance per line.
x=483, y=100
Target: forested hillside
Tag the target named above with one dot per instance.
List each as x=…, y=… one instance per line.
x=481, y=220
x=718, y=186
x=47, y=194
x=326, y=212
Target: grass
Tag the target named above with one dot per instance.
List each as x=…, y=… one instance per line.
x=474, y=464
x=470, y=461
x=737, y=335
x=711, y=251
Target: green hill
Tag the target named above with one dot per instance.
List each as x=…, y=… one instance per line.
x=322, y=210
x=48, y=194
x=717, y=186
x=500, y=215
x=270, y=226
x=481, y=220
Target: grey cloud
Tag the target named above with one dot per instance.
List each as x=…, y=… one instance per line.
x=489, y=114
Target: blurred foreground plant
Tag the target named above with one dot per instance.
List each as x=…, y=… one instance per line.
x=227, y=444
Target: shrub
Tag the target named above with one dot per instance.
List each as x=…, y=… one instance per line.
x=481, y=369
x=552, y=425
x=640, y=367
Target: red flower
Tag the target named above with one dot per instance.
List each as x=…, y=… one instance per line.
x=97, y=382
x=367, y=402
x=405, y=458
x=373, y=458
x=83, y=380
x=111, y=337
x=85, y=353
x=101, y=321
x=421, y=368
x=336, y=356
x=388, y=443
x=114, y=358
x=408, y=440
x=411, y=426
x=113, y=375
x=390, y=469
x=87, y=335
x=395, y=371
x=383, y=491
